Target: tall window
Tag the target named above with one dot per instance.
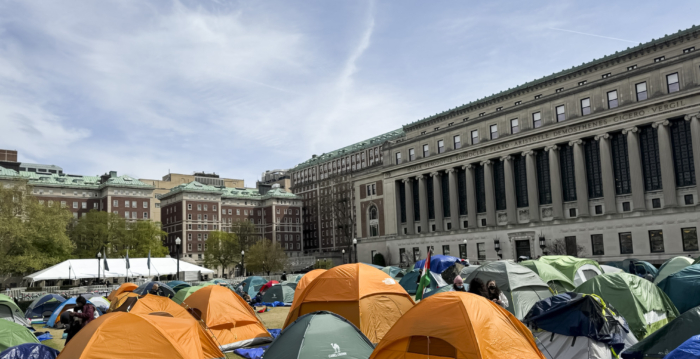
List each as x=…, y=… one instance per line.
x=656, y=241
x=499, y=185
x=672, y=82
x=520, y=174
x=568, y=176
x=594, y=176
x=612, y=99
x=475, y=137
x=457, y=142
x=649, y=143
x=514, y=126
x=690, y=239
x=682, y=153
x=463, y=251
x=536, y=120
x=402, y=200
x=620, y=163
x=597, y=245
x=446, y=249
x=571, y=247
x=373, y=222
x=441, y=146
x=561, y=113
x=398, y=158
x=494, y=131
x=481, y=251
x=585, y=106
x=626, y=246
x=411, y=154
x=544, y=187
x=641, y=91
x=426, y=151
x=431, y=197
x=462, y=184
x=416, y=254
x=402, y=255
x=480, y=189
x=446, y=195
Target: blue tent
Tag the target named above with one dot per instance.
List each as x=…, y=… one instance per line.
x=690, y=349
x=176, y=285
x=29, y=351
x=163, y=289
x=643, y=268
x=250, y=283
x=45, y=304
x=438, y=263
x=68, y=304
x=678, y=286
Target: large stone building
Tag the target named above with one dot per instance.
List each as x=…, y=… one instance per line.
x=191, y=211
x=600, y=158
x=276, y=177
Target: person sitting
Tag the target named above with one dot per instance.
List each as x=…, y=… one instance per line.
x=155, y=290
x=477, y=286
x=458, y=285
x=495, y=294
x=82, y=314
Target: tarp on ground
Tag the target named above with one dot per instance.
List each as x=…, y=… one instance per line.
x=320, y=335
x=683, y=288
x=45, y=304
x=10, y=311
x=409, y=282
x=671, y=266
x=12, y=334
x=690, y=349
x=29, y=351
x=578, y=270
x=280, y=293
x=669, y=337
x=163, y=289
x=86, y=268
x=69, y=304
x=555, y=279
x=645, y=306
x=183, y=293
x=457, y=325
x=438, y=263
x=521, y=286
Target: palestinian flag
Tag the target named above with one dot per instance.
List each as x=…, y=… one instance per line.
x=425, y=278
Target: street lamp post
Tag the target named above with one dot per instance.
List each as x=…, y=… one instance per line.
x=354, y=245
x=177, y=255
x=543, y=245
x=343, y=255
x=243, y=262
x=99, y=256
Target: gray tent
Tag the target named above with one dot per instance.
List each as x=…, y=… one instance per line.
x=466, y=271
x=280, y=293
x=522, y=286
x=320, y=335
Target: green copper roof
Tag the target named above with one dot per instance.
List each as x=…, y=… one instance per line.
x=6, y=172
x=544, y=79
x=228, y=193
x=374, y=141
x=61, y=180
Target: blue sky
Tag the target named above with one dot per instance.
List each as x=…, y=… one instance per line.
x=238, y=87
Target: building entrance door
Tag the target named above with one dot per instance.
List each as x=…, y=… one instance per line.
x=522, y=249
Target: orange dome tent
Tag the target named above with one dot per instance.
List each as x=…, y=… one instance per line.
x=305, y=280
x=126, y=287
x=457, y=325
x=368, y=298
x=230, y=319
x=122, y=335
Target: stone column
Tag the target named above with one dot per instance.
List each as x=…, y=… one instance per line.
x=471, y=195
x=437, y=201
x=695, y=133
x=423, y=195
x=555, y=182
x=608, y=173
x=454, y=198
x=668, y=172
x=410, y=216
x=581, y=180
x=511, y=203
x=490, y=193
x=533, y=198
x=636, y=174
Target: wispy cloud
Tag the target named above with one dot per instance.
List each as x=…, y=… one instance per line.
x=594, y=35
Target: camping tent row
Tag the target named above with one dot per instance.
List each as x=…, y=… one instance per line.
x=138, y=267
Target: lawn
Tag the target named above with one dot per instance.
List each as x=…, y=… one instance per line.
x=274, y=319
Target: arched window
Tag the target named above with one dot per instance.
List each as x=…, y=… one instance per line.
x=373, y=213
x=373, y=221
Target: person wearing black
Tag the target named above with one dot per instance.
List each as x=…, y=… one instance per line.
x=82, y=314
x=478, y=287
x=155, y=290
x=632, y=268
x=284, y=276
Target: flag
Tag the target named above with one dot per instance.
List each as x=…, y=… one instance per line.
x=70, y=268
x=425, y=278
x=148, y=263
x=106, y=265
x=128, y=266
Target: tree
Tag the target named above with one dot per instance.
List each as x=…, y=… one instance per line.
x=222, y=250
x=32, y=235
x=265, y=256
x=558, y=247
x=246, y=233
x=144, y=237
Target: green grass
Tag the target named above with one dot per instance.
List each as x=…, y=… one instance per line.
x=56, y=343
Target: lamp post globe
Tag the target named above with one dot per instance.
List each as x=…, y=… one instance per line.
x=354, y=245
x=343, y=255
x=99, y=255
x=177, y=255
x=243, y=262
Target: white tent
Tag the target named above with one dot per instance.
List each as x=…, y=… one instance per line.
x=87, y=268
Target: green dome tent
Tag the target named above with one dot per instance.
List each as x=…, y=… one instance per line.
x=393, y=272
x=12, y=334
x=671, y=266
x=183, y=293
x=280, y=293
x=683, y=288
x=466, y=271
x=555, y=279
x=409, y=282
x=578, y=270
x=664, y=340
x=320, y=335
x=522, y=286
x=11, y=312
x=645, y=306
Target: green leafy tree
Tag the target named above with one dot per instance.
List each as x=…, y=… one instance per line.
x=32, y=235
x=265, y=256
x=145, y=236
x=246, y=233
x=222, y=250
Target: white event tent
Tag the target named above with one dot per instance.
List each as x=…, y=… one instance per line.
x=138, y=267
